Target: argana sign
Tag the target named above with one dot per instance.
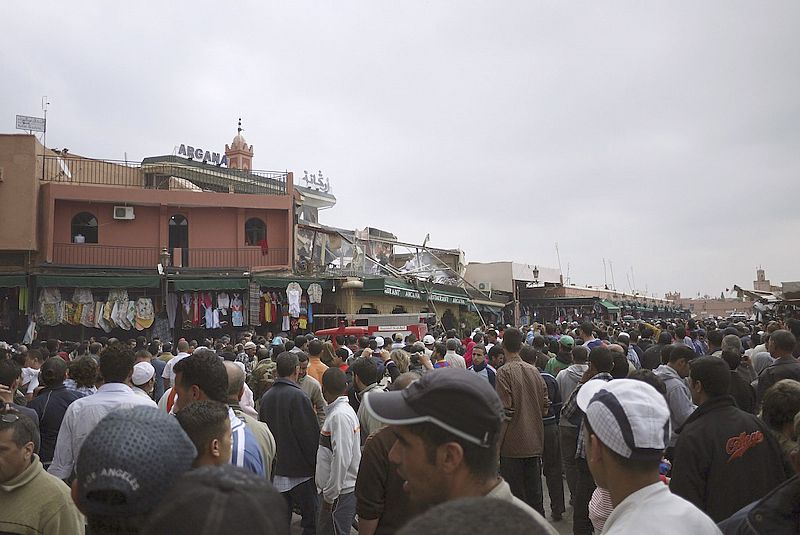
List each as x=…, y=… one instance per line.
x=202, y=156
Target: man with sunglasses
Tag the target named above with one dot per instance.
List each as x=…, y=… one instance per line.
x=33, y=500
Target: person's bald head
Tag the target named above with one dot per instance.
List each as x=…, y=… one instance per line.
x=235, y=380
x=616, y=348
x=404, y=380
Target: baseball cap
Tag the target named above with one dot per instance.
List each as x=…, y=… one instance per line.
x=458, y=401
x=428, y=340
x=379, y=341
x=630, y=417
x=249, y=345
x=117, y=458
x=566, y=341
x=142, y=372
x=221, y=499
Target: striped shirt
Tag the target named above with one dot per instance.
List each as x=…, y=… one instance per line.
x=244, y=447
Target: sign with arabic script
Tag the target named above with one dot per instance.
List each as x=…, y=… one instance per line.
x=317, y=182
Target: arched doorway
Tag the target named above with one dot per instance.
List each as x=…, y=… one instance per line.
x=179, y=238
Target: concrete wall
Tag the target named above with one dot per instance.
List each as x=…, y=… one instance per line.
x=20, y=159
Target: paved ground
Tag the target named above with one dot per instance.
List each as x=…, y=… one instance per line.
x=564, y=527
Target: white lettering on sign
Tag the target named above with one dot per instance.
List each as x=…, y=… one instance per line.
x=202, y=155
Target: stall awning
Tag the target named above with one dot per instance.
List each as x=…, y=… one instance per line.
x=194, y=285
x=98, y=281
x=449, y=297
x=12, y=281
x=283, y=282
x=608, y=305
x=392, y=287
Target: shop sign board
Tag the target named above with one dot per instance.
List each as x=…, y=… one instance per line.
x=202, y=155
x=401, y=292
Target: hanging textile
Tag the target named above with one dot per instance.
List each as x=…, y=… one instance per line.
x=145, y=315
x=223, y=303
x=208, y=310
x=196, y=317
x=310, y=314
x=285, y=320
x=264, y=246
x=314, y=293
x=237, y=314
x=274, y=307
x=22, y=304
x=254, y=291
x=172, y=305
x=161, y=328
x=293, y=293
x=82, y=296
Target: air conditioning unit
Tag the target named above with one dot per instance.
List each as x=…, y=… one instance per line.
x=485, y=286
x=124, y=212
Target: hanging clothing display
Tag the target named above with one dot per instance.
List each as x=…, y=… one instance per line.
x=172, y=305
x=22, y=304
x=82, y=296
x=144, y=313
x=254, y=293
x=237, y=313
x=223, y=303
x=314, y=293
x=293, y=293
x=161, y=328
x=285, y=319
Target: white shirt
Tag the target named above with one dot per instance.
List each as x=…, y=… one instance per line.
x=654, y=510
x=82, y=417
x=455, y=360
x=168, y=373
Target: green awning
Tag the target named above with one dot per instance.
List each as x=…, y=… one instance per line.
x=193, y=285
x=283, y=282
x=450, y=297
x=609, y=306
x=98, y=281
x=392, y=287
x=12, y=281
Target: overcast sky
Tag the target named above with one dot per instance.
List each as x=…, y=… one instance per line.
x=664, y=137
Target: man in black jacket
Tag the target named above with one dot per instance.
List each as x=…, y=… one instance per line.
x=51, y=404
x=781, y=344
x=725, y=458
x=287, y=411
x=652, y=355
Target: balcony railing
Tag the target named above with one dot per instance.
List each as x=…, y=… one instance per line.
x=86, y=254
x=164, y=173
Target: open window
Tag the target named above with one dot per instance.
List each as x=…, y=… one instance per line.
x=255, y=231
x=84, y=228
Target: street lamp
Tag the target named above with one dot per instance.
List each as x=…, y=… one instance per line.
x=536, y=274
x=164, y=258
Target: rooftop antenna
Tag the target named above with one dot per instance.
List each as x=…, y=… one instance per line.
x=605, y=276
x=239, y=129
x=611, y=267
x=45, y=104
x=633, y=278
x=558, y=256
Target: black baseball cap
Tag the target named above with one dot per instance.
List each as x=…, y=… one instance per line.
x=459, y=401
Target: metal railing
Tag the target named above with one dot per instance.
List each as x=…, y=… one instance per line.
x=164, y=173
x=88, y=254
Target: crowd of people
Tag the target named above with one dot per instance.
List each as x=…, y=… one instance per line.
x=664, y=427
